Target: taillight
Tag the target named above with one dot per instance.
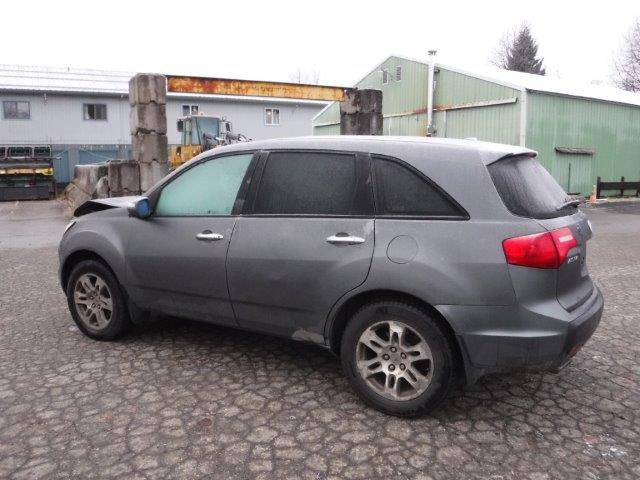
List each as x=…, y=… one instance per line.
x=540, y=250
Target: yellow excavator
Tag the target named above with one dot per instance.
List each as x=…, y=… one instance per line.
x=201, y=133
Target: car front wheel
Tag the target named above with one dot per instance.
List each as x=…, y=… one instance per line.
x=397, y=358
x=96, y=301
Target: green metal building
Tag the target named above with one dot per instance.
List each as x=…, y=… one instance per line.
x=579, y=133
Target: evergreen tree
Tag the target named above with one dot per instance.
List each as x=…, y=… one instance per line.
x=518, y=51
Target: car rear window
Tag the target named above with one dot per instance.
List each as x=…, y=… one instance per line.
x=528, y=189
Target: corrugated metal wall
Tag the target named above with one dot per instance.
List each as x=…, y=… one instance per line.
x=495, y=123
x=403, y=101
x=404, y=104
x=612, y=130
x=454, y=88
x=403, y=96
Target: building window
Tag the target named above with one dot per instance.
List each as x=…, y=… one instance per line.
x=17, y=110
x=385, y=76
x=272, y=116
x=95, y=111
x=398, y=73
x=190, y=110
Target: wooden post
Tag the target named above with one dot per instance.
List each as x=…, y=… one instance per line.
x=622, y=189
x=598, y=187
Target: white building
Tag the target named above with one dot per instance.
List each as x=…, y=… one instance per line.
x=84, y=114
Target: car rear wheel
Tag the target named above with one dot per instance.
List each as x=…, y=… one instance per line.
x=96, y=301
x=397, y=358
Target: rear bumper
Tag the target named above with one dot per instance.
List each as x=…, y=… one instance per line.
x=541, y=336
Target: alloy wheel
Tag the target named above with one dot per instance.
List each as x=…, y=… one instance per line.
x=394, y=360
x=93, y=301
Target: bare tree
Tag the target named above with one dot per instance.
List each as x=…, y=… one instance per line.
x=517, y=50
x=303, y=76
x=627, y=63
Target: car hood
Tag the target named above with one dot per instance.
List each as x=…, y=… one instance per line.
x=99, y=204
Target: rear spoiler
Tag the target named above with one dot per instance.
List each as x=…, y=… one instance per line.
x=522, y=152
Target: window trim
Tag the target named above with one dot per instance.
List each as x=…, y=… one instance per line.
x=363, y=166
x=398, y=78
x=190, y=107
x=385, y=76
x=106, y=113
x=4, y=116
x=265, y=117
x=238, y=204
x=463, y=214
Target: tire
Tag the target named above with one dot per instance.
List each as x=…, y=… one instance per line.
x=423, y=376
x=97, y=287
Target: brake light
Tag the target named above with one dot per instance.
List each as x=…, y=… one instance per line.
x=540, y=250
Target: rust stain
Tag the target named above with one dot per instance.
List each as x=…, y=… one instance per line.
x=222, y=86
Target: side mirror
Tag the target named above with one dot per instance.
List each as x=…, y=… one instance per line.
x=141, y=208
x=180, y=125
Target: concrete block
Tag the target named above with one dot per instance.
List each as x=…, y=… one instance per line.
x=362, y=101
x=86, y=177
x=75, y=196
x=361, y=124
x=151, y=173
x=102, y=188
x=150, y=147
x=148, y=88
x=370, y=101
x=148, y=118
x=361, y=112
x=124, y=178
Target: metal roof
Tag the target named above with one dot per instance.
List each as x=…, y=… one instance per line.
x=27, y=79
x=55, y=79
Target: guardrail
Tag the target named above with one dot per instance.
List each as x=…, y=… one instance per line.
x=622, y=185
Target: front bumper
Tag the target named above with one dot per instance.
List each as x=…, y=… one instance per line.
x=541, y=336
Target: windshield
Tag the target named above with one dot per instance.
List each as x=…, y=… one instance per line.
x=206, y=125
x=528, y=189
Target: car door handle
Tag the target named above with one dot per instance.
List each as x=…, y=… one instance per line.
x=209, y=236
x=344, y=239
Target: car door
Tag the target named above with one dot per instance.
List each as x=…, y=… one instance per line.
x=305, y=239
x=176, y=258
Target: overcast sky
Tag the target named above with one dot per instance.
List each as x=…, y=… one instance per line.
x=340, y=40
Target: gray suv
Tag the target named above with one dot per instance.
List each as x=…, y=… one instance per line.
x=415, y=260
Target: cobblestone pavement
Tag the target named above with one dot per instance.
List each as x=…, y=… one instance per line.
x=186, y=400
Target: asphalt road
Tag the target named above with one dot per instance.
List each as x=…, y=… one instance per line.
x=181, y=399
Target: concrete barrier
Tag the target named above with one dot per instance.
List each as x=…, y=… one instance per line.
x=123, y=177
x=148, y=118
x=361, y=112
x=150, y=147
x=148, y=126
x=147, y=88
x=84, y=183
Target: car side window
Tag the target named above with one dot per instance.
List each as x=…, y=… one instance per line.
x=312, y=183
x=401, y=191
x=209, y=188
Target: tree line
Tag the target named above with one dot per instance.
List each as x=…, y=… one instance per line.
x=517, y=50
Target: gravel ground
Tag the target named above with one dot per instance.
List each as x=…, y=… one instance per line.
x=179, y=399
